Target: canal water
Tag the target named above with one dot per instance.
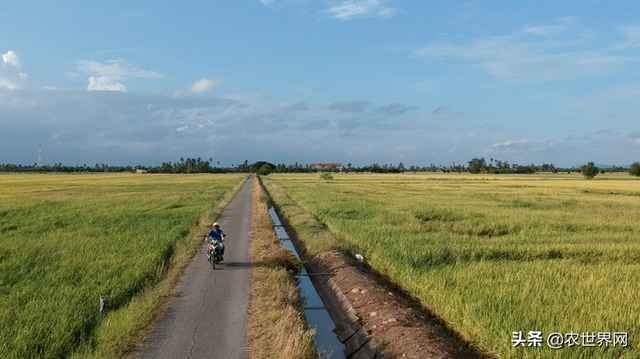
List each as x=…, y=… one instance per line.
x=315, y=312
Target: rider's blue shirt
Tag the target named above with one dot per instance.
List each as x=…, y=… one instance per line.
x=217, y=235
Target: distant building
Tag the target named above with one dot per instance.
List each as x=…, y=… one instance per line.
x=328, y=166
x=141, y=171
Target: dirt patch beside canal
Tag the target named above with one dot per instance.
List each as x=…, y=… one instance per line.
x=396, y=326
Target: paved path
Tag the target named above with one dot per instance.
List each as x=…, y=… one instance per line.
x=208, y=316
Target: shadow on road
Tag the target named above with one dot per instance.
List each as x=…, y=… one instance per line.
x=236, y=265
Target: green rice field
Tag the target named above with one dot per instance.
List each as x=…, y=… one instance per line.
x=495, y=254
x=66, y=240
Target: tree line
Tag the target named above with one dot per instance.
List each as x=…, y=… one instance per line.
x=188, y=165
x=198, y=165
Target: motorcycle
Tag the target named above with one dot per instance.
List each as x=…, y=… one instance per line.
x=214, y=252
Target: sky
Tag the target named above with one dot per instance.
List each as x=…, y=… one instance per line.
x=360, y=81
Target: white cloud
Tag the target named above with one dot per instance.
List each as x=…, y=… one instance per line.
x=11, y=58
x=517, y=150
x=509, y=143
x=104, y=83
x=115, y=68
x=514, y=60
x=353, y=9
x=266, y=2
x=7, y=84
x=23, y=75
x=146, y=128
x=110, y=74
x=633, y=38
x=203, y=85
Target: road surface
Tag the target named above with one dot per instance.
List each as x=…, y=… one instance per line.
x=208, y=316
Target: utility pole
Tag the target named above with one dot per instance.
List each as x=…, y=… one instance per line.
x=40, y=156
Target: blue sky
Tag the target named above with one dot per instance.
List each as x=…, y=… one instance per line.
x=306, y=81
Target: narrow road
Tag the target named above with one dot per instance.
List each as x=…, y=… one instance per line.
x=208, y=316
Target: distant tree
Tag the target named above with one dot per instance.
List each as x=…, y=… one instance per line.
x=589, y=170
x=375, y=168
x=525, y=169
x=634, y=169
x=265, y=170
x=258, y=166
x=477, y=165
x=401, y=167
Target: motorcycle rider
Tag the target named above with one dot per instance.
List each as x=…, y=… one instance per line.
x=217, y=234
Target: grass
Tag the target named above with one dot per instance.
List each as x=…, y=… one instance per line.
x=275, y=324
x=66, y=240
x=489, y=255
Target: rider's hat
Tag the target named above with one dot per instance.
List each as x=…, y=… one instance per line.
x=216, y=224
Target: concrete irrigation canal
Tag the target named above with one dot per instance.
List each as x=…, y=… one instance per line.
x=315, y=312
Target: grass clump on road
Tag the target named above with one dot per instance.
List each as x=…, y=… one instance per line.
x=276, y=327
x=69, y=239
x=489, y=256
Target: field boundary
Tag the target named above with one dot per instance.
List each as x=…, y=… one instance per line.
x=276, y=327
x=339, y=294
x=126, y=328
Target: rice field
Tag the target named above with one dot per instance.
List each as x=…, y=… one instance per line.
x=494, y=255
x=66, y=240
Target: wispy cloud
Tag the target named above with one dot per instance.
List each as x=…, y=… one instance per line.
x=354, y=9
x=115, y=68
x=11, y=58
x=471, y=9
x=300, y=106
x=633, y=38
x=111, y=73
x=394, y=109
x=509, y=143
x=267, y=2
x=349, y=106
x=518, y=59
x=445, y=113
x=544, y=30
x=7, y=84
x=521, y=148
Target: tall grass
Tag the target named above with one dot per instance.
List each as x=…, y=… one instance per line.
x=494, y=255
x=66, y=240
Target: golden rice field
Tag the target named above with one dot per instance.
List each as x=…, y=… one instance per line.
x=493, y=255
x=67, y=239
